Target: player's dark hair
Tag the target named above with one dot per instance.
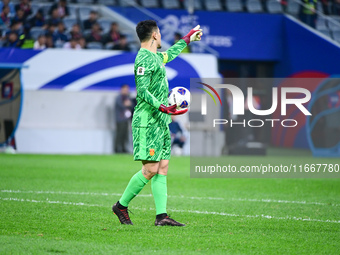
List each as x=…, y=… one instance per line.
x=145, y=28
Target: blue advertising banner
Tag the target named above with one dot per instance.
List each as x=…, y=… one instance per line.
x=305, y=51
x=232, y=35
x=97, y=69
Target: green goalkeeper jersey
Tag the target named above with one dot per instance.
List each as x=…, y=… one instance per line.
x=152, y=85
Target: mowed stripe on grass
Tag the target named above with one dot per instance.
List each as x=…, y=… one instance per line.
x=56, y=203
x=171, y=196
x=172, y=209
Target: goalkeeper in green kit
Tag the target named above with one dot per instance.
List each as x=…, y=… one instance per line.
x=150, y=123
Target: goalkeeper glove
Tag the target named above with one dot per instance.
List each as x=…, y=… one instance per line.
x=171, y=110
x=194, y=35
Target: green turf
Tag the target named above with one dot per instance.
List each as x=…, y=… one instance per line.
x=74, y=222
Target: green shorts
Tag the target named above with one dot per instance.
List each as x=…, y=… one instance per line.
x=151, y=143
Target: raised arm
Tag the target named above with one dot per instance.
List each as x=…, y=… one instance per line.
x=194, y=35
x=173, y=51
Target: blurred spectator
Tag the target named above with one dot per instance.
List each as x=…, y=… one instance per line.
x=82, y=43
x=60, y=34
x=19, y=16
x=51, y=31
x=61, y=8
x=96, y=34
x=177, y=37
x=4, y=17
x=72, y=44
x=123, y=112
x=24, y=5
x=91, y=20
x=307, y=12
x=336, y=7
x=55, y=18
x=16, y=27
x=12, y=39
x=113, y=35
x=325, y=6
x=176, y=132
x=38, y=19
x=122, y=45
x=25, y=39
x=76, y=32
x=40, y=44
x=49, y=41
x=10, y=5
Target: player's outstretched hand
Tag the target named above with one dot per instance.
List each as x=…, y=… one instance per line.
x=194, y=35
x=171, y=110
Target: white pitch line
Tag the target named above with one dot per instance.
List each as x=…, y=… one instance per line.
x=282, y=201
x=176, y=210
x=48, y=201
x=99, y=194
x=184, y=197
x=258, y=216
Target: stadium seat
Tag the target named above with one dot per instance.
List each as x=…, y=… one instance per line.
x=95, y=45
x=150, y=3
x=234, y=5
x=84, y=12
x=3, y=29
x=171, y=4
x=336, y=36
x=213, y=5
x=197, y=4
x=325, y=32
x=130, y=38
x=87, y=32
x=69, y=22
x=319, y=7
x=334, y=23
x=43, y=6
x=73, y=11
x=46, y=8
x=105, y=24
x=273, y=6
x=125, y=3
x=109, y=46
x=35, y=7
x=84, y=1
x=59, y=44
x=36, y=31
x=321, y=23
x=254, y=6
x=107, y=2
x=134, y=47
x=293, y=8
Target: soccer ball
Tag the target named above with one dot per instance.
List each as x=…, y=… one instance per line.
x=179, y=96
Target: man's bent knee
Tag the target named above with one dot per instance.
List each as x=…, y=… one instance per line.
x=163, y=167
x=150, y=168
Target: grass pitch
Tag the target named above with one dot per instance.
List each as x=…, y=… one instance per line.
x=62, y=204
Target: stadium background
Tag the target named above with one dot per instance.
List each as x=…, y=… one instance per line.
x=64, y=105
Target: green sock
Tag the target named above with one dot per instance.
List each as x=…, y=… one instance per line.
x=159, y=191
x=135, y=185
